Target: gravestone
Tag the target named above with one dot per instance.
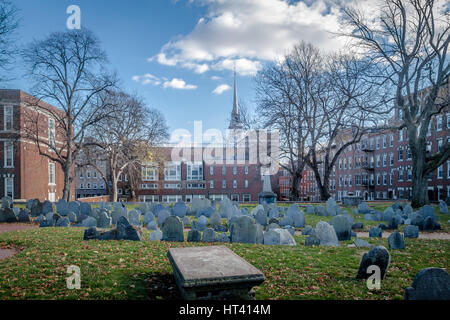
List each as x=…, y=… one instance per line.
x=36, y=208
x=155, y=235
x=63, y=222
x=194, y=236
x=186, y=221
x=225, y=208
x=116, y=214
x=179, y=209
x=312, y=241
x=74, y=206
x=309, y=209
x=290, y=229
x=320, y=210
x=342, y=227
x=393, y=225
x=172, y=229
x=417, y=220
x=357, y=225
x=326, y=234
x=286, y=221
x=220, y=228
x=308, y=231
x=62, y=207
x=133, y=218
x=198, y=204
x=157, y=208
x=214, y=220
x=85, y=208
x=375, y=232
x=104, y=221
x=222, y=275
x=162, y=216
x=273, y=213
x=426, y=211
x=7, y=202
x=40, y=218
x=363, y=208
x=298, y=219
x=332, y=207
x=7, y=215
x=359, y=243
x=388, y=214
x=261, y=217
x=278, y=237
x=396, y=241
x=243, y=230
x=23, y=216
x=378, y=256
x=259, y=234
x=209, y=235
x=411, y=232
x=443, y=208
x=47, y=207
x=368, y=217
x=152, y=225
x=429, y=284
x=148, y=217
x=222, y=237
x=125, y=231
x=89, y=222
x=256, y=209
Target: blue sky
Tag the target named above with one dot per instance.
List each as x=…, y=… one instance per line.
x=175, y=53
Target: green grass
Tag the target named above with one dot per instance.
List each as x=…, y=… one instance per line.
x=141, y=270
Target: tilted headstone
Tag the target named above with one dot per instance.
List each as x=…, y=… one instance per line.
x=378, y=256
x=342, y=227
x=393, y=225
x=74, y=206
x=200, y=203
x=47, y=207
x=388, y=214
x=62, y=207
x=125, y=231
x=63, y=222
x=116, y=214
x=172, y=229
x=326, y=234
x=186, y=221
x=24, y=216
x=417, y=220
x=429, y=284
x=104, y=220
x=359, y=243
x=357, y=225
x=308, y=231
x=85, y=208
x=7, y=202
x=286, y=221
x=89, y=222
x=331, y=207
x=72, y=217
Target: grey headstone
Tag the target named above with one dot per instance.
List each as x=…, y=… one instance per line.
x=298, y=219
x=357, y=225
x=429, y=284
x=209, y=235
x=278, y=237
x=133, y=218
x=74, y=206
x=326, y=234
x=308, y=231
x=104, y=220
x=47, y=207
x=411, y=231
x=148, y=217
x=162, y=216
x=342, y=227
x=24, y=216
x=194, y=236
x=179, y=209
x=215, y=219
x=63, y=222
x=309, y=209
x=359, y=243
x=312, y=241
x=261, y=218
x=331, y=207
x=172, y=229
x=125, y=231
x=62, y=207
x=89, y=222
x=222, y=237
x=243, y=230
x=286, y=221
x=363, y=208
x=152, y=225
x=396, y=241
x=155, y=235
x=320, y=210
x=86, y=208
x=443, y=208
x=375, y=232
x=368, y=217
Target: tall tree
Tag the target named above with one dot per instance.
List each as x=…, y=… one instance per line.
x=408, y=41
x=68, y=71
x=9, y=22
x=126, y=139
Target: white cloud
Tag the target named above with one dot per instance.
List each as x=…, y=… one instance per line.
x=178, y=84
x=221, y=89
x=147, y=79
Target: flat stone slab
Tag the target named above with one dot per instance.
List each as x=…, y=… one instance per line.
x=213, y=272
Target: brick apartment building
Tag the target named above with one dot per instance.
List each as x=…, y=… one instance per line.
x=232, y=174
x=379, y=167
x=24, y=173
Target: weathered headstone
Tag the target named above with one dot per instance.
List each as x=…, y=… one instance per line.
x=396, y=241
x=309, y=209
x=312, y=241
x=62, y=207
x=89, y=222
x=243, y=230
x=125, y=231
x=24, y=216
x=375, y=232
x=152, y=225
x=104, y=220
x=209, y=235
x=194, y=236
x=357, y=225
x=326, y=234
x=172, y=229
x=443, y=208
x=222, y=237
x=134, y=218
x=47, y=207
x=429, y=284
x=359, y=243
x=162, y=216
x=363, y=208
x=278, y=237
x=261, y=217
x=148, y=217
x=331, y=207
x=63, y=222
x=411, y=231
x=85, y=208
x=214, y=220
x=308, y=231
x=342, y=227
x=155, y=235
x=179, y=209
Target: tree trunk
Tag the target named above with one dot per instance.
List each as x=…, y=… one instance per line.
x=323, y=187
x=295, y=187
x=419, y=185
x=67, y=169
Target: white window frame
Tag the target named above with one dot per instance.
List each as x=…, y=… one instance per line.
x=51, y=133
x=168, y=171
x=194, y=167
x=8, y=118
x=8, y=153
x=149, y=172
x=51, y=174
x=9, y=184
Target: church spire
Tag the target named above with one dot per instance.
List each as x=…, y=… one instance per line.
x=235, y=122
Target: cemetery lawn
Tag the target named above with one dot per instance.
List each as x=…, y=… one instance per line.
x=141, y=270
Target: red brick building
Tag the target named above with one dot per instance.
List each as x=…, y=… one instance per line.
x=24, y=173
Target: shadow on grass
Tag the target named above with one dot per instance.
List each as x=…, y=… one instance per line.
x=151, y=286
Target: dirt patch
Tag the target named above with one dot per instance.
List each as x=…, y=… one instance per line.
x=4, y=227
x=6, y=253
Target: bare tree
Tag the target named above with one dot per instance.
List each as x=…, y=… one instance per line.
x=127, y=139
x=8, y=25
x=408, y=42
x=67, y=69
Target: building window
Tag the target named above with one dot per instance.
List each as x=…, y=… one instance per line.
x=51, y=173
x=391, y=140
x=81, y=186
x=246, y=197
x=102, y=186
x=234, y=184
x=234, y=170
x=88, y=174
x=8, y=117
x=246, y=183
x=119, y=191
x=211, y=170
x=400, y=154
x=439, y=123
x=384, y=179
x=384, y=142
x=448, y=169
x=400, y=135
x=439, y=145
x=378, y=142
x=409, y=173
x=9, y=154
x=409, y=155
x=172, y=171
x=51, y=133
x=246, y=170
x=384, y=160
x=448, y=120
x=149, y=173
x=224, y=184
x=95, y=186
x=195, y=171
x=440, y=171
x=211, y=184
x=235, y=197
x=224, y=170
x=400, y=174
x=88, y=186
x=9, y=187
x=378, y=161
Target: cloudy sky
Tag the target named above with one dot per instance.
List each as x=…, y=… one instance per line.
x=180, y=54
